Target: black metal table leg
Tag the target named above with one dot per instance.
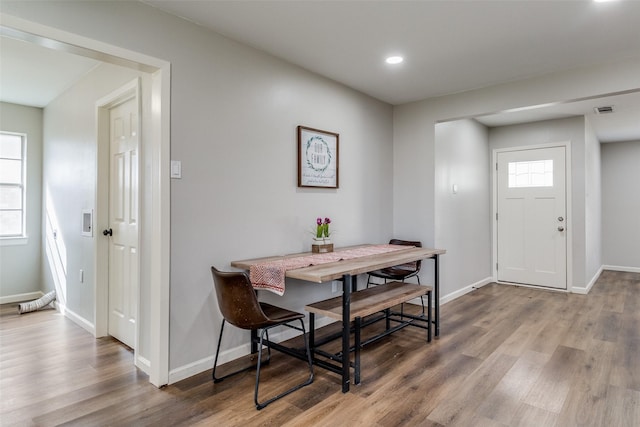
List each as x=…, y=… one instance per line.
x=346, y=313
x=254, y=341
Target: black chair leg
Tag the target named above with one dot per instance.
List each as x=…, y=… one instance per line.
x=260, y=405
x=421, y=296
x=215, y=362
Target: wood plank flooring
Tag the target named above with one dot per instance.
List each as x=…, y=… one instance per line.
x=507, y=356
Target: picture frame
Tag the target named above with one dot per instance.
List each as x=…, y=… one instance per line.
x=318, y=158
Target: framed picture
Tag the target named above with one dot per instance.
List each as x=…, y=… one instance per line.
x=317, y=158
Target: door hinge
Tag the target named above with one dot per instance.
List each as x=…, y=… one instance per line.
x=496, y=266
x=496, y=216
x=496, y=166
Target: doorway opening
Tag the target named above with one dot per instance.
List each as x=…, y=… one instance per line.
x=153, y=324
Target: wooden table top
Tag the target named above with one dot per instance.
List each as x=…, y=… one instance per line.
x=335, y=270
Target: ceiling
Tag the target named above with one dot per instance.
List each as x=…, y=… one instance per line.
x=33, y=75
x=448, y=46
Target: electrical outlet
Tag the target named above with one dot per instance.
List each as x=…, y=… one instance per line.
x=81, y=276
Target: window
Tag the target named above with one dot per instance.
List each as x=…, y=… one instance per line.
x=536, y=173
x=12, y=184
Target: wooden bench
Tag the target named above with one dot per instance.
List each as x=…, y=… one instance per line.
x=380, y=298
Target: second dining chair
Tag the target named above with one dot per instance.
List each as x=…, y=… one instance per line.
x=399, y=272
x=240, y=307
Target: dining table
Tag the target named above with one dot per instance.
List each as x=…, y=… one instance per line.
x=346, y=271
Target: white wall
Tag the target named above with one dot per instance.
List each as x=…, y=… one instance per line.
x=462, y=219
x=414, y=131
x=621, y=205
x=234, y=114
x=20, y=264
x=593, y=205
x=70, y=176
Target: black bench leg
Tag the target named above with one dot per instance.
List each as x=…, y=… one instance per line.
x=429, y=325
x=358, y=325
x=312, y=333
x=387, y=313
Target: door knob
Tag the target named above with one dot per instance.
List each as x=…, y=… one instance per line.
x=560, y=219
x=108, y=232
x=560, y=228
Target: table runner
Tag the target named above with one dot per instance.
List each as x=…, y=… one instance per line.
x=270, y=275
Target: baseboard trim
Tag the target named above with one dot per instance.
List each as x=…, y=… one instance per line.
x=28, y=296
x=143, y=364
x=77, y=319
x=621, y=268
x=206, y=364
x=585, y=290
x=460, y=292
x=457, y=294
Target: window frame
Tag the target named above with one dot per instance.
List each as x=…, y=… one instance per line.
x=18, y=238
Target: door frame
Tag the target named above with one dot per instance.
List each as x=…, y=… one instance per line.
x=569, y=216
x=103, y=150
x=156, y=156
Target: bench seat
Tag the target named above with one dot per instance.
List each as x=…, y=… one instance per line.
x=371, y=300
x=380, y=298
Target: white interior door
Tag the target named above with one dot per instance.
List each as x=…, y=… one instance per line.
x=123, y=221
x=531, y=217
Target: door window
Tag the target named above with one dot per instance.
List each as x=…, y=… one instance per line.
x=535, y=173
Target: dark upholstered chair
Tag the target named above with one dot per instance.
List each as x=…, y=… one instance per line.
x=240, y=307
x=399, y=272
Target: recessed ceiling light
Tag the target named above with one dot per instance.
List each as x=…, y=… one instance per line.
x=394, y=60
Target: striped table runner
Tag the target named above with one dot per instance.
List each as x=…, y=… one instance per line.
x=270, y=275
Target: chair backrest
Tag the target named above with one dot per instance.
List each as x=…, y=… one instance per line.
x=237, y=299
x=415, y=265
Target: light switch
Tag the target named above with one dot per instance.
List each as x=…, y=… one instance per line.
x=455, y=189
x=176, y=169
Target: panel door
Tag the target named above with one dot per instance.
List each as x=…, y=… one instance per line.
x=531, y=217
x=123, y=220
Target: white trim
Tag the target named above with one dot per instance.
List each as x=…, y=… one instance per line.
x=143, y=363
x=457, y=294
x=621, y=268
x=160, y=257
x=460, y=292
x=569, y=214
x=202, y=365
x=28, y=296
x=14, y=241
x=77, y=319
x=585, y=290
x=537, y=287
x=158, y=272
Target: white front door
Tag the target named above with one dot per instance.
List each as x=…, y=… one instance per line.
x=123, y=221
x=531, y=217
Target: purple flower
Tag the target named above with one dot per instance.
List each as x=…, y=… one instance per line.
x=326, y=220
x=319, y=221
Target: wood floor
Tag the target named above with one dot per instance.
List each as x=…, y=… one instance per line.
x=507, y=356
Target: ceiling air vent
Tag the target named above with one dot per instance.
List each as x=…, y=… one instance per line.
x=604, y=110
